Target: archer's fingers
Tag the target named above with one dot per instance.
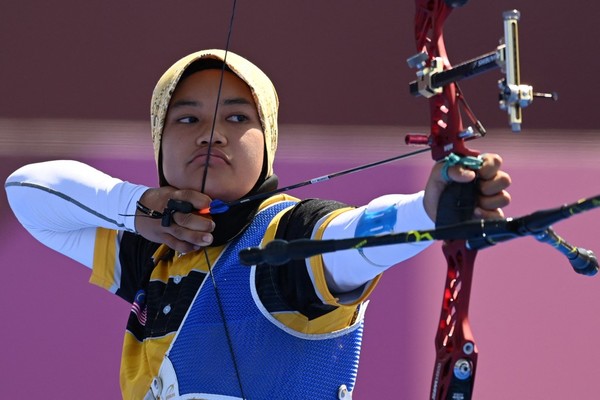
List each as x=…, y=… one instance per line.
x=186, y=239
x=461, y=174
x=494, y=185
x=187, y=232
x=490, y=167
x=488, y=214
x=198, y=200
x=180, y=245
x=496, y=201
x=193, y=222
x=190, y=227
x=456, y=173
x=190, y=231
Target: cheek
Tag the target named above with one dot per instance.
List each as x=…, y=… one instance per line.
x=255, y=152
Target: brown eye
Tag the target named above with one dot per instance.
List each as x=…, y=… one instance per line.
x=187, y=120
x=238, y=118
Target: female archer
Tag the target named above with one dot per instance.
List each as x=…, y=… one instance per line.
x=202, y=325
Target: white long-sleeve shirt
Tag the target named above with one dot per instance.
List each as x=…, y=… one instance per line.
x=61, y=203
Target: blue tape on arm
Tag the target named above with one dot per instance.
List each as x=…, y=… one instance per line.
x=377, y=222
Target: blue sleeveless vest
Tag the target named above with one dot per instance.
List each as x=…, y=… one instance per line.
x=274, y=361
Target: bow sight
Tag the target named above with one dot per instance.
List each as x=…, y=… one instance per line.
x=433, y=74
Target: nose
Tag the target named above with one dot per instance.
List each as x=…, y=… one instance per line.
x=211, y=135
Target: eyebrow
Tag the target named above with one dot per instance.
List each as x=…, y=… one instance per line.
x=237, y=100
x=226, y=102
x=185, y=103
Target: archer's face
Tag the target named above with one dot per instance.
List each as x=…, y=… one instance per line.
x=236, y=154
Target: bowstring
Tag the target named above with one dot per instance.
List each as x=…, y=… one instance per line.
x=204, y=176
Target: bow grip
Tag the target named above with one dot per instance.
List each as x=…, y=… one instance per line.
x=457, y=203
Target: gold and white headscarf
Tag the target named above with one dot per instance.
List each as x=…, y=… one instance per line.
x=263, y=92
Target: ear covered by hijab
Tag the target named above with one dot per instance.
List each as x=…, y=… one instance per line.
x=263, y=92
x=231, y=223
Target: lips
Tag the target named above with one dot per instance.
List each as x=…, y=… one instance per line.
x=215, y=154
